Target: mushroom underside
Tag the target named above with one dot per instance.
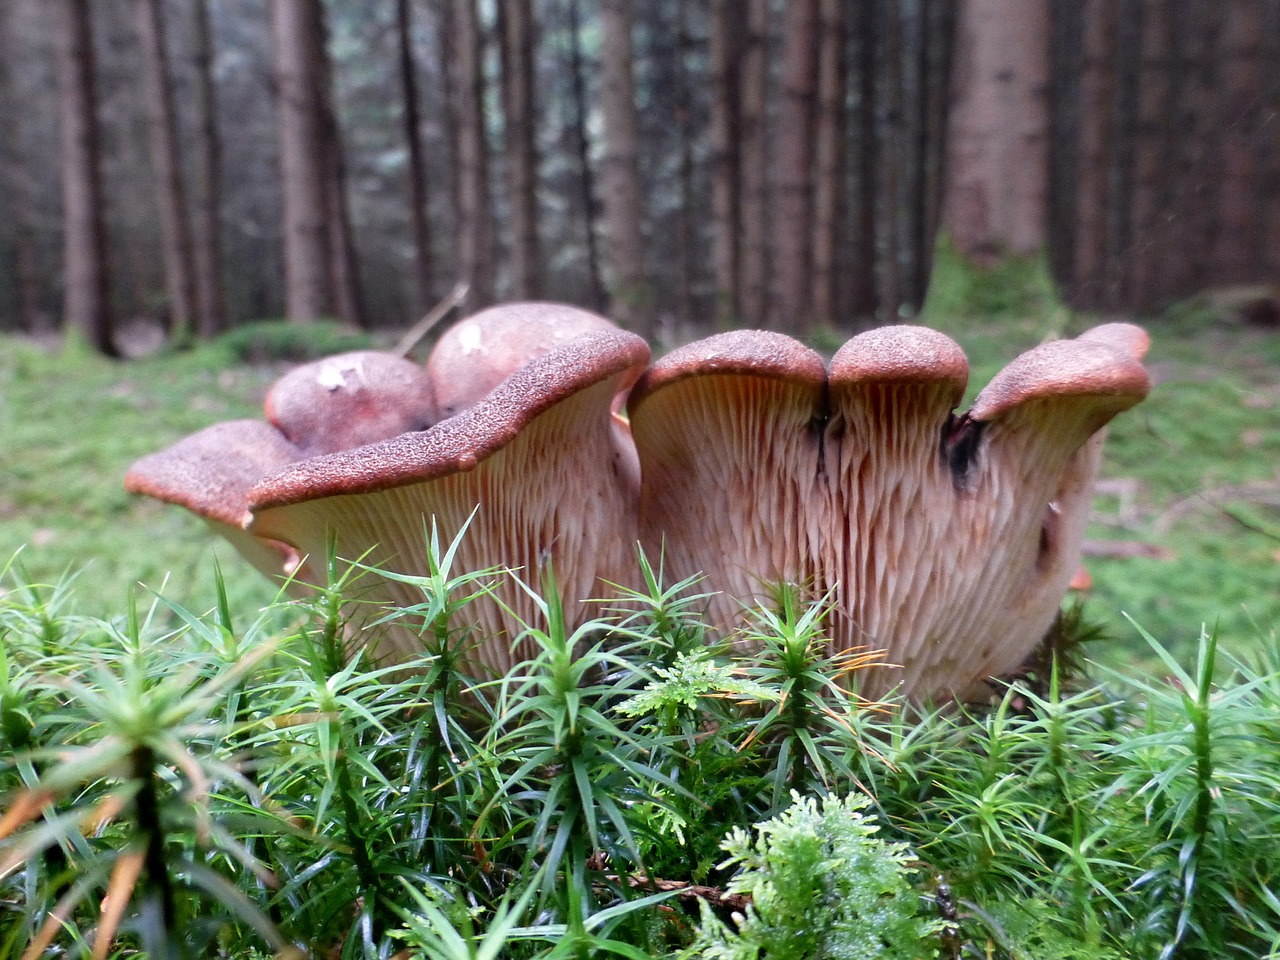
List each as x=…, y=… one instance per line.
x=944, y=542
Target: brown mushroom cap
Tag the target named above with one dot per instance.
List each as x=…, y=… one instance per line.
x=210, y=473
x=349, y=400
x=540, y=458
x=478, y=353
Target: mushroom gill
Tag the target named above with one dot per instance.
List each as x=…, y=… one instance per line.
x=542, y=458
x=946, y=542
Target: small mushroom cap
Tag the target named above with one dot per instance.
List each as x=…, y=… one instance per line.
x=477, y=354
x=538, y=456
x=902, y=355
x=350, y=400
x=757, y=354
x=1100, y=371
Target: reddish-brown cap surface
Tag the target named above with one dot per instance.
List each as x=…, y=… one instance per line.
x=350, y=400
x=478, y=353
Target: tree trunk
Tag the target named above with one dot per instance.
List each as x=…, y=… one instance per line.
x=447, y=37
x=475, y=208
x=87, y=307
x=865, y=149
x=520, y=124
x=208, y=207
x=1097, y=96
x=162, y=123
x=755, y=250
x=1237, y=253
x=793, y=169
x=424, y=278
x=828, y=167
x=343, y=264
x=17, y=183
x=686, y=134
x=999, y=129
x=889, y=172
x=620, y=175
x=309, y=293
x=726, y=49
x=582, y=145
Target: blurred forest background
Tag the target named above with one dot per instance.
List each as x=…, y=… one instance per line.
x=201, y=163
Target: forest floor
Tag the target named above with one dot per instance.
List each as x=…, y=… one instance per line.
x=1185, y=533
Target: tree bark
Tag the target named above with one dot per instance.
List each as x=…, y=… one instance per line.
x=582, y=148
x=309, y=293
x=755, y=249
x=725, y=53
x=207, y=220
x=996, y=194
x=1097, y=96
x=87, y=307
x=423, y=267
x=793, y=169
x=162, y=123
x=620, y=175
x=686, y=135
x=475, y=207
x=828, y=197
x=343, y=264
x=17, y=182
x=865, y=148
x=520, y=125
x=1237, y=252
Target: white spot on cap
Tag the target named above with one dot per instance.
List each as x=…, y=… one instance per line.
x=470, y=338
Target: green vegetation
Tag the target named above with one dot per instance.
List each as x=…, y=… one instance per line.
x=181, y=784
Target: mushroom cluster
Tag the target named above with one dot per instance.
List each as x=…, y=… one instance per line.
x=944, y=540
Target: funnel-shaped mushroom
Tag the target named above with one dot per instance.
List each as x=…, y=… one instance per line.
x=945, y=542
x=542, y=457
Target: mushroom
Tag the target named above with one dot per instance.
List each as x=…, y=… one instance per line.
x=542, y=463
x=477, y=354
x=349, y=400
x=729, y=435
x=210, y=473
x=946, y=542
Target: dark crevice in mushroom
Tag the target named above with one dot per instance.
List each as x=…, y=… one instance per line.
x=820, y=427
x=1048, y=537
x=959, y=446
